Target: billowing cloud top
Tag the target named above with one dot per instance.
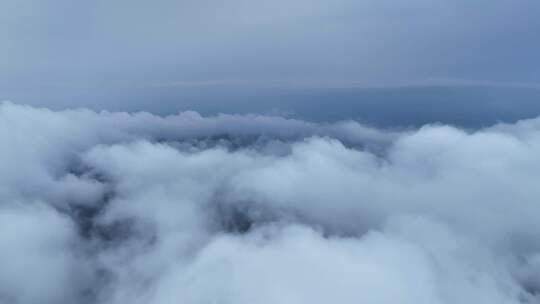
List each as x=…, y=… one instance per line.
x=135, y=208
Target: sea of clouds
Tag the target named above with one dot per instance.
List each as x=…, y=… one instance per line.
x=115, y=208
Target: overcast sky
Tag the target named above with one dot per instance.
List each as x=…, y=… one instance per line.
x=168, y=55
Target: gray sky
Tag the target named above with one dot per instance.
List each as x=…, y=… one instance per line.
x=154, y=55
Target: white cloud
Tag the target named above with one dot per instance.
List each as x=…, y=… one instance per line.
x=136, y=208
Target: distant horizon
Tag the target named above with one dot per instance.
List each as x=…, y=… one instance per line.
x=470, y=106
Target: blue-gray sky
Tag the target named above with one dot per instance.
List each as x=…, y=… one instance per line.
x=241, y=55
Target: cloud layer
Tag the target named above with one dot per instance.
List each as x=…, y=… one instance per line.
x=134, y=208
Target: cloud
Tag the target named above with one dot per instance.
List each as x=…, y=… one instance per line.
x=110, y=207
x=38, y=261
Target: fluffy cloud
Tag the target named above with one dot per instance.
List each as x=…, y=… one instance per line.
x=134, y=208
